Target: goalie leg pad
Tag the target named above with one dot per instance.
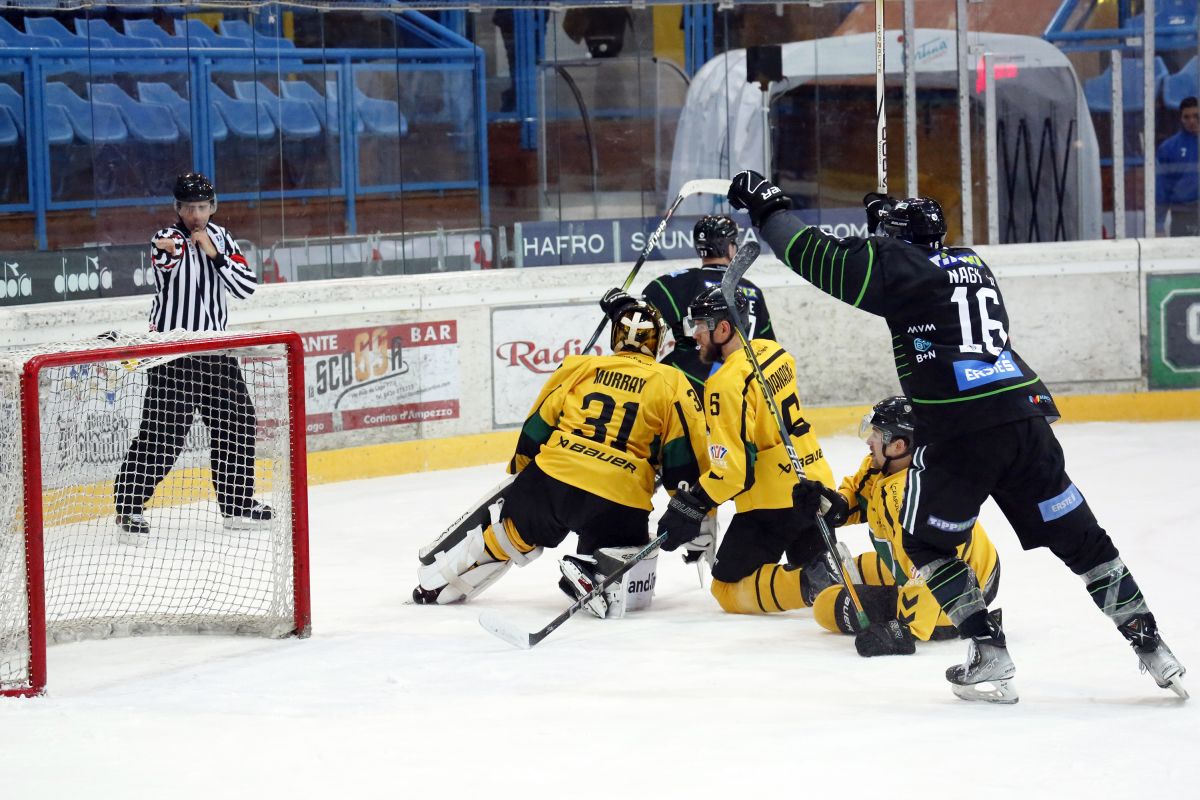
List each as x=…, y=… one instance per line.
x=635, y=590
x=483, y=513
x=475, y=563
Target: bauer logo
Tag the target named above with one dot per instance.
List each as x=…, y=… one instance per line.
x=972, y=374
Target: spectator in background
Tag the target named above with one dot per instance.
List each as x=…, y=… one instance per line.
x=602, y=29
x=1178, y=186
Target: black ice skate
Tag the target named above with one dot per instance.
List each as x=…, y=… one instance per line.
x=426, y=597
x=256, y=516
x=987, y=673
x=135, y=530
x=1141, y=632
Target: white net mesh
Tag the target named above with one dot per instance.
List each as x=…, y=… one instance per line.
x=166, y=500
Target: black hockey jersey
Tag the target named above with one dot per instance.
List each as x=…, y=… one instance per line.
x=671, y=294
x=949, y=326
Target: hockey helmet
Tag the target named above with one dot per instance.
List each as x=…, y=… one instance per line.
x=193, y=187
x=638, y=328
x=893, y=418
x=710, y=307
x=917, y=220
x=713, y=234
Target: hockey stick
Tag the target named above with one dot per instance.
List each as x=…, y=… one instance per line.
x=501, y=628
x=729, y=283
x=699, y=186
x=880, y=118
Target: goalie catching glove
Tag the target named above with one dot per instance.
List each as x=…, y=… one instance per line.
x=685, y=512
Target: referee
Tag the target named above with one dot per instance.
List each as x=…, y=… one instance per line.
x=197, y=265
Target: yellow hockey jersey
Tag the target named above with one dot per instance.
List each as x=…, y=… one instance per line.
x=746, y=457
x=606, y=424
x=876, y=498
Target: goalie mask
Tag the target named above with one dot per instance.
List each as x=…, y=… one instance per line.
x=639, y=328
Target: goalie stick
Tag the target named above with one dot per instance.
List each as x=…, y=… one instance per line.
x=729, y=283
x=501, y=628
x=699, y=186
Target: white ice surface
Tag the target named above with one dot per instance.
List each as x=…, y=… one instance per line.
x=395, y=700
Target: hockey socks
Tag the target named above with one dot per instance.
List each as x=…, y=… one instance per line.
x=769, y=589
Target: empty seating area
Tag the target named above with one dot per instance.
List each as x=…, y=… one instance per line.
x=1169, y=88
x=125, y=105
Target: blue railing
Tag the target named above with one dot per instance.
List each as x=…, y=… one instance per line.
x=456, y=56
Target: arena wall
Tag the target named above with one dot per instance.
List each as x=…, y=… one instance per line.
x=424, y=372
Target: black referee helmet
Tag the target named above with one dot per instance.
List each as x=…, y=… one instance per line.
x=192, y=187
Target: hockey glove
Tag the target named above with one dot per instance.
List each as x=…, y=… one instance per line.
x=891, y=638
x=878, y=207
x=806, y=498
x=615, y=301
x=685, y=512
x=757, y=195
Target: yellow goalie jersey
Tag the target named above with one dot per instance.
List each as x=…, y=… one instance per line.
x=747, y=459
x=605, y=424
x=876, y=498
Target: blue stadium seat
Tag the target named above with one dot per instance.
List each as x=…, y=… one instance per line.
x=1183, y=84
x=381, y=117
x=201, y=35
x=326, y=108
x=149, y=29
x=99, y=30
x=245, y=118
x=151, y=123
x=181, y=109
x=9, y=133
x=1174, y=24
x=53, y=29
x=12, y=37
x=58, y=127
x=12, y=100
x=295, y=118
x=1098, y=90
x=94, y=123
x=240, y=29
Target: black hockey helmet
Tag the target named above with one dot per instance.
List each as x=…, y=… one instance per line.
x=894, y=419
x=713, y=234
x=193, y=187
x=638, y=328
x=710, y=307
x=917, y=220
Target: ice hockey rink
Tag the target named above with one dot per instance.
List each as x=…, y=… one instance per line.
x=389, y=699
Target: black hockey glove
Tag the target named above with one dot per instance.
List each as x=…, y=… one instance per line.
x=685, y=512
x=878, y=207
x=806, y=498
x=615, y=301
x=891, y=638
x=757, y=195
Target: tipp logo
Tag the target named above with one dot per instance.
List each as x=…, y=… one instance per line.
x=971, y=374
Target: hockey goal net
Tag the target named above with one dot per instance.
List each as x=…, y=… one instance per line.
x=221, y=541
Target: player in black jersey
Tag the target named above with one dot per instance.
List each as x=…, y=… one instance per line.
x=715, y=238
x=982, y=421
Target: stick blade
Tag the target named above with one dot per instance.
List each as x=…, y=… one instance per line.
x=504, y=630
x=705, y=186
x=733, y=274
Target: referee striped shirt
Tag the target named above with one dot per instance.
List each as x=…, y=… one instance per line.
x=192, y=290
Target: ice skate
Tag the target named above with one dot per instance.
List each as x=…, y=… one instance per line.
x=135, y=530
x=1156, y=658
x=578, y=579
x=256, y=516
x=987, y=673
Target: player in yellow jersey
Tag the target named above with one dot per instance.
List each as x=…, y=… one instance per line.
x=749, y=464
x=586, y=459
x=901, y=607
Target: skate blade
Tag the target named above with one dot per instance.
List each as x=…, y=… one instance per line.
x=1175, y=684
x=133, y=539
x=1001, y=691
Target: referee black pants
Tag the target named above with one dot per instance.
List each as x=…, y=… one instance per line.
x=212, y=386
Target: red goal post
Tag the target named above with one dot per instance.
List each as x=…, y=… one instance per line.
x=68, y=415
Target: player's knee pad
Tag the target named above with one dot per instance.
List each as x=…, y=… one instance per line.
x=770, y=588
x=462, y=571
x=835, y=612
x=1114, y=591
